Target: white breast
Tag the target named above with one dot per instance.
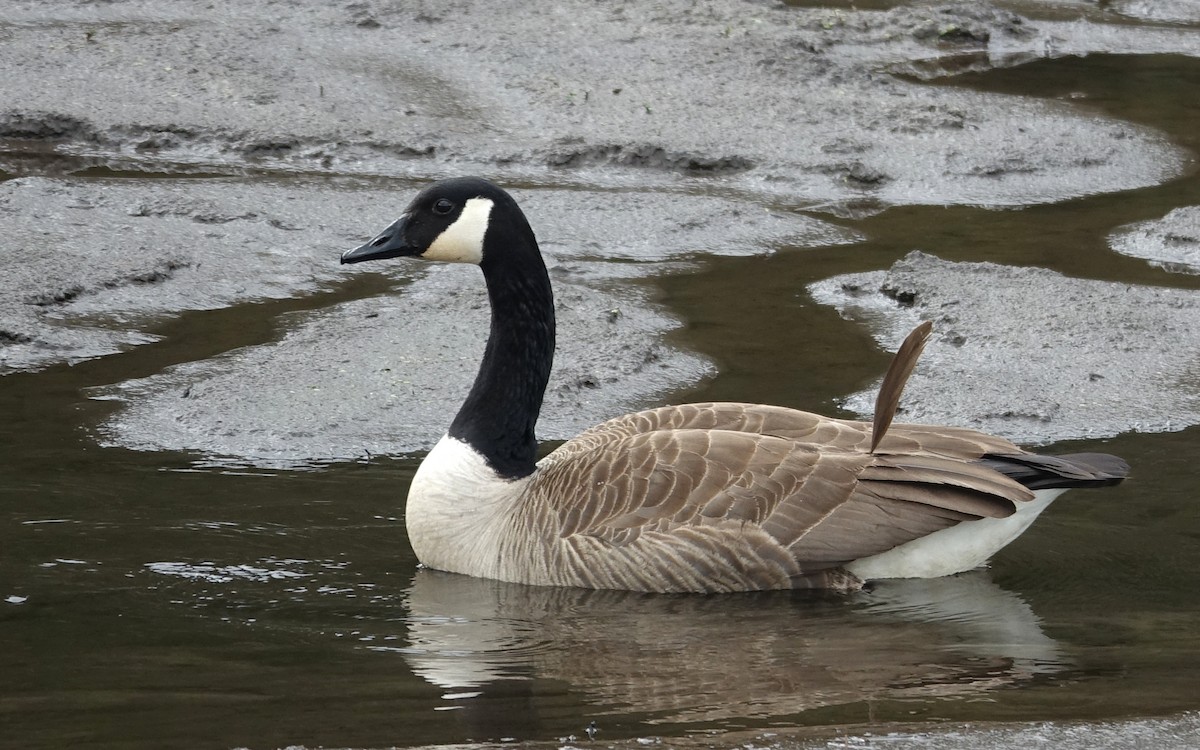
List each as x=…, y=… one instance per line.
x=458, y=510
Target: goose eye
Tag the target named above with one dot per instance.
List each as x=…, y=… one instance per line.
x=442, y=207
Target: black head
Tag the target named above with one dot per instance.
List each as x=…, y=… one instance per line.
x=469, y=220
x=448, y=220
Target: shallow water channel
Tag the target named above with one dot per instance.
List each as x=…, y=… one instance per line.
x=154, y=602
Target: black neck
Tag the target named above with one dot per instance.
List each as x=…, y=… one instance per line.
x=500, y=413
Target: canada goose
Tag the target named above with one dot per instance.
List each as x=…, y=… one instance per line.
x=699, y=497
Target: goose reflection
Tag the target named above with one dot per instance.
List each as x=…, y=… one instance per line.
x=693, y=658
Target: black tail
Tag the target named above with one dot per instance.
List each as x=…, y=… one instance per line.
x=1049, y=472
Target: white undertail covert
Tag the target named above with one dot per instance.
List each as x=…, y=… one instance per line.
x=960, y=548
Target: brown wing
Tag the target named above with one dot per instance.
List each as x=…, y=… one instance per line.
x=800, y=426
x=671, y=509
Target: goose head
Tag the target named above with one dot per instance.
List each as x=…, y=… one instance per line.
x=462, y=220
x=470, y=220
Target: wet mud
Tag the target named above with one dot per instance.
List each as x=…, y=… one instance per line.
x=997, y=363
x=813, y=122
x=1171, y=243
x=1165, y=734
x=392, y=367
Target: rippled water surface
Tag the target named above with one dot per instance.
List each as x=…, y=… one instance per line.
x=146, y=601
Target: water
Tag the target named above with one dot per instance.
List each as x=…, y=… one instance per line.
x=149, y=602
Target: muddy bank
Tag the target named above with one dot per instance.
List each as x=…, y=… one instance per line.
x=390, y=375
x=788, y=102
x=1028, y=353
x=667, y=107
x=391, y=370
x=93, y=266
x=1171, y=243
x=1182, y=733
x=1159, y=11
x=1165, y=734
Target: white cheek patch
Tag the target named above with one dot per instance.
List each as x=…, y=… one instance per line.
x=462, y=241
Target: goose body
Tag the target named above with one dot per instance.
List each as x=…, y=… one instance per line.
x=698, y=497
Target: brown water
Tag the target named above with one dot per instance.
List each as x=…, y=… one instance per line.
x=169, y=606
